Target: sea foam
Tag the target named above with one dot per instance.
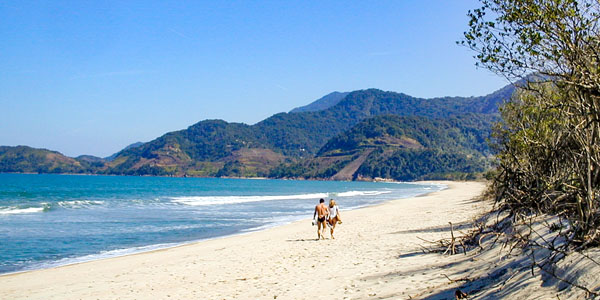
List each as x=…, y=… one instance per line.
x=16, y=210
x=79, y=203
x=361, y=193
x=217, y=200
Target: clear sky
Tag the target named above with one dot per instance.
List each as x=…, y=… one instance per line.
x=90, y=77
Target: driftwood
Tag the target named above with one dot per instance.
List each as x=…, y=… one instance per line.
x=518, y=237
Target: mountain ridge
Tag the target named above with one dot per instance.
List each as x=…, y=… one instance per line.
x=130, y=146
x=218, y=148
x=364, y=151
x=322, y=103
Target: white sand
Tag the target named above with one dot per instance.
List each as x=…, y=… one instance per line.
x=376, y=254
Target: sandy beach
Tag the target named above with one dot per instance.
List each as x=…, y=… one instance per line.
x=376, y=254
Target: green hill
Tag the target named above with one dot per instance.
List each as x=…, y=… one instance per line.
x=218, y=148
x=401, y=148
x=202, y=149
x=24, y=159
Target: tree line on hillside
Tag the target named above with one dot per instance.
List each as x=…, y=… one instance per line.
x=403, y=148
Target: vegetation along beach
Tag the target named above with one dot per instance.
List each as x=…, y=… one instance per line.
x=491, y=194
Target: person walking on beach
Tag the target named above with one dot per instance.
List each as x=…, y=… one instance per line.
x=334, y=216
x=322, y=211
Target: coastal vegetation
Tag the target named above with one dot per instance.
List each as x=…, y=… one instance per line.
x=548, y=142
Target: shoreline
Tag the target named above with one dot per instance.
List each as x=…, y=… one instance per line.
x=159, y=247
x=376, y=179
x=112, y=265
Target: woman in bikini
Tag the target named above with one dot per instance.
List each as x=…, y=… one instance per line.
x=334, y=216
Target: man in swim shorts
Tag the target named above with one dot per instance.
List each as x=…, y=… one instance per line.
x=322, y=211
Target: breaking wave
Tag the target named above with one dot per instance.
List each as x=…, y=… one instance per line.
x=17, y=210
x=362, y=193
x=217, y=200
x=79, y=203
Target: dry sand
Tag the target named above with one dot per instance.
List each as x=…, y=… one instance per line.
x=376, y=254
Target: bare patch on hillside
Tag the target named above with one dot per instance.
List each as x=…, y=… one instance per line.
x=347, y=173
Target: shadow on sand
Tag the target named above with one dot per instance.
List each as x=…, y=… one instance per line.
x=457, y=226
x=303, y=240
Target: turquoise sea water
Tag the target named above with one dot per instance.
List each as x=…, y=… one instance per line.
x=51, y=220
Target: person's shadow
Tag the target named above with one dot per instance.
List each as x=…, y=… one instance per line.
x=303, y=240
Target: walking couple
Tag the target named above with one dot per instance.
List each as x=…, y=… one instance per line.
x=329, y=215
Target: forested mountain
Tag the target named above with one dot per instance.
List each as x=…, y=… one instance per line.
x=401, y=148
x=202, y=149
x=219, y=148
x=214, y=147
x=24, y=159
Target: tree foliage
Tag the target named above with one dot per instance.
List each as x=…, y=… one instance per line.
x=548, y=143
x=421, y=164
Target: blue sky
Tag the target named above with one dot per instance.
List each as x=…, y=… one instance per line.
x=90, y=77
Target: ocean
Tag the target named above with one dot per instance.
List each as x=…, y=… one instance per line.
x=53, y=220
